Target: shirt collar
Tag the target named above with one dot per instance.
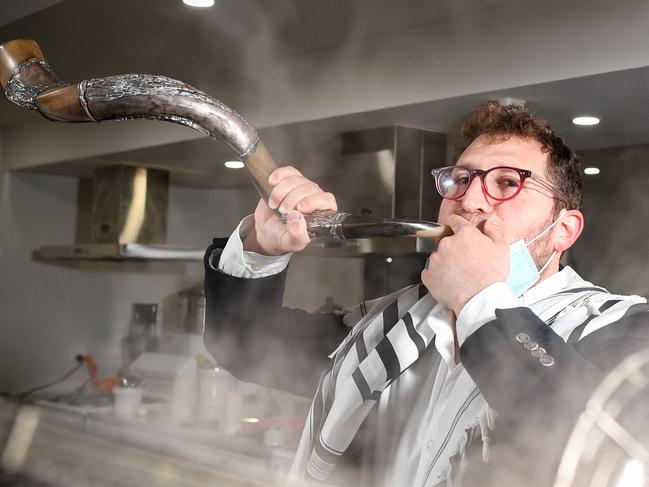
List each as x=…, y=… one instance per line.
x=564, y=279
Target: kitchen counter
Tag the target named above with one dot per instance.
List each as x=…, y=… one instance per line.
x=198, y=443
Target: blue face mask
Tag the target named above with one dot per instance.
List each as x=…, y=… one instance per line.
x=523, y=273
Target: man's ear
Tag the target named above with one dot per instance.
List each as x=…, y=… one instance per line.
x=568, y=230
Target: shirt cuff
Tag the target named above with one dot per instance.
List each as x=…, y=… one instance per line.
x=241, y=263
x=481, y=309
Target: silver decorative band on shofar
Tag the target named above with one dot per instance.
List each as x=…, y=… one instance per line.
x=30, y=83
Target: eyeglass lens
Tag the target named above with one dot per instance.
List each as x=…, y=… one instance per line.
x=500, y=183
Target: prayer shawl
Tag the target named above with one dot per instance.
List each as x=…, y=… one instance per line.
x=390, y=336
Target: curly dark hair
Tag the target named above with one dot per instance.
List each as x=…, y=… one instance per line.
x=497, y=120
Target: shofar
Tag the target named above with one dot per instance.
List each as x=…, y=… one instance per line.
x=29, y=82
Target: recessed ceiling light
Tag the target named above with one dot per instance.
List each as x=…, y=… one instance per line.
x=585, y=120
x=591, y=171
x=199, y=3
x=234, y=164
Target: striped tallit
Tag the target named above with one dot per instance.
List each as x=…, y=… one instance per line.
x=391, y=335
x=386, y=341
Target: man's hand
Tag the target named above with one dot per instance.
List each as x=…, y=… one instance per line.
x=466, y=262
x=295, y=196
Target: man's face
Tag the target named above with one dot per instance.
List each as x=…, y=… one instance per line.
x=523, y=216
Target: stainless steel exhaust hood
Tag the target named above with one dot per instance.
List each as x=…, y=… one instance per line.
x=120, y=252
x=383, y=172
x=128, y=219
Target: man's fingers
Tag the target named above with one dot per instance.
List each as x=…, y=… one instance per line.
x=284, y=187
x=281, y=173
x=296, y=237
x=493, y=228
x=317, y=201
x=298, y=193
x=456, y=222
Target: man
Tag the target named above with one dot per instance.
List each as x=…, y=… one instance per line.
x=482, y=368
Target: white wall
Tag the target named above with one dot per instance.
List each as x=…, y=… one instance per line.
x=49, y=313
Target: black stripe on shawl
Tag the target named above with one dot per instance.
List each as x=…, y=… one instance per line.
x=320, y=406
x=390, y=316
x=361, y=349
x=389, y=358
x=361, y=384
x=412, y=333
x=575, y=335
x=580, y=290
x=608, y=304
x=325, y=452
x=458, y=415
x=326, y=403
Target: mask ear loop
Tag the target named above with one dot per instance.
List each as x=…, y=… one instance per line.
x=547, y=263
x=561, y=213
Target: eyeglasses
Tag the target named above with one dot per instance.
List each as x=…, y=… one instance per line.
x=501, y=183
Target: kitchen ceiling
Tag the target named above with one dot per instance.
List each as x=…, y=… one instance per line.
x=242, y=40
x=83, y=38
x=12, y=11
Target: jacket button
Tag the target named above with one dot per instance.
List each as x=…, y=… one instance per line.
x=522, y=338
x=546, y=361
x=531, y=345
x=539, y=352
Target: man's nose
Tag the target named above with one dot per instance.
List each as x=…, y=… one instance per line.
x=475, y=198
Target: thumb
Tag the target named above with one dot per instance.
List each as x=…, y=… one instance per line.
x=262, y=212
x=295, y=238
x=493, y=229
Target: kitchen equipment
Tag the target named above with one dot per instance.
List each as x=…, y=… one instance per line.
x=170, y=377
x=185, y=335
x=213, y=383
x=142, y=335
x=127, y=400
x=230, y=419
x=192, y=310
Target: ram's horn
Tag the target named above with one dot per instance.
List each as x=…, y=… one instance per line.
x=29, y=82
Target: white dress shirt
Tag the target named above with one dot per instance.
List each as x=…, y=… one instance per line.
x=240, y=263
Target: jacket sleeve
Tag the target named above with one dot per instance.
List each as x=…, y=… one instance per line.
x=250, y=333
x=538, y=384
x=517, y=357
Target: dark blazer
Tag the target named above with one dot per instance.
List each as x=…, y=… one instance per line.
x=537, y=396
x=250, y=334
